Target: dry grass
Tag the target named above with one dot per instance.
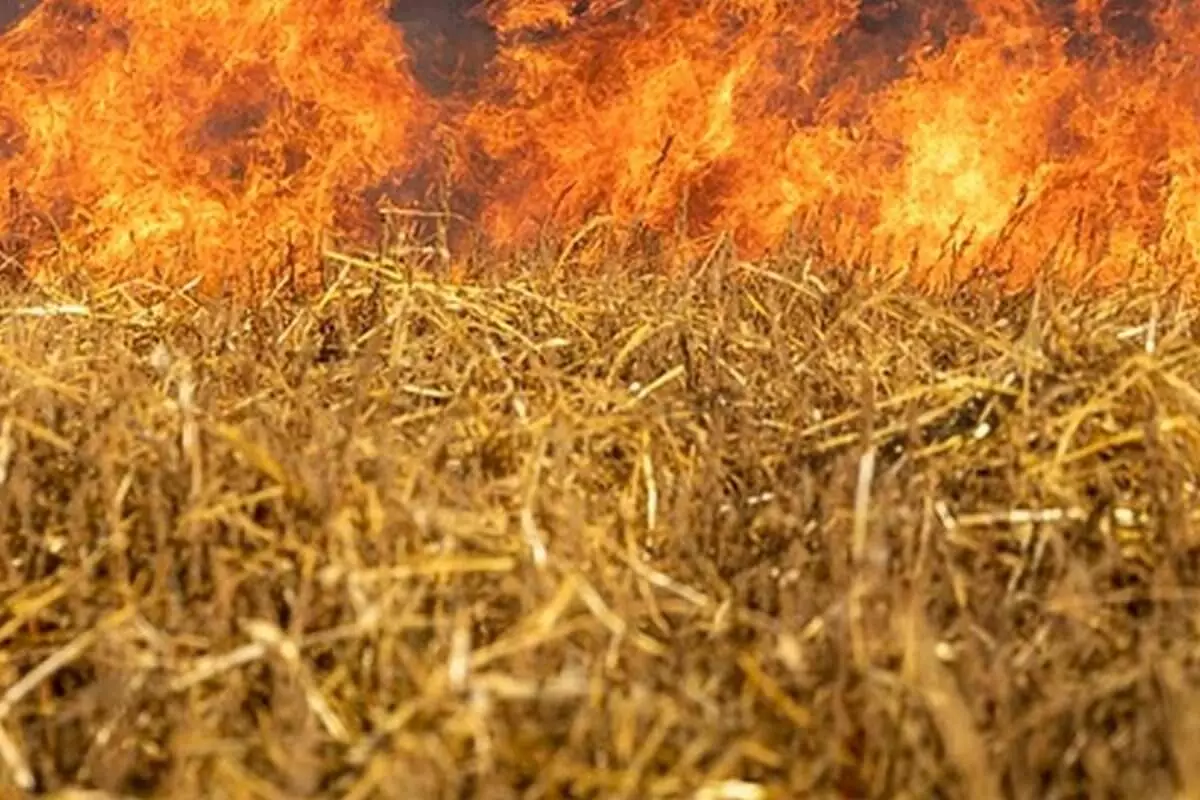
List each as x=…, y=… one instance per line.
x=753, y=533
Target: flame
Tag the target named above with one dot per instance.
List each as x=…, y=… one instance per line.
x=221, y=128
x=1008, y=134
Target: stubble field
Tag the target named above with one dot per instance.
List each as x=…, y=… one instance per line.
x=761, y=530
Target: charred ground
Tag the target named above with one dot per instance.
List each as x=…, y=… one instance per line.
x=619, y=536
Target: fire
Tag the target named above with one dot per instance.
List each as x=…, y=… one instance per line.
x=154, y=130
x=161, y=136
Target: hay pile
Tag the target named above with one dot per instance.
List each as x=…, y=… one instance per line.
x=757, y=533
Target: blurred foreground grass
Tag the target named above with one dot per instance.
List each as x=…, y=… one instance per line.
x=757, y=532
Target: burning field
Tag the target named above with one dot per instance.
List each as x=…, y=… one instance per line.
x=1016, y=136
x=731, y=399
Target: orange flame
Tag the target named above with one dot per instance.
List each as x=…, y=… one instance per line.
x=220, y=127
x=158, y=134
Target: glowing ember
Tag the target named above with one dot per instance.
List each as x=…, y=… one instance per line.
x=205, y=136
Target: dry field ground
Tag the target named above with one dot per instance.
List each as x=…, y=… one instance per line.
x=758, y=532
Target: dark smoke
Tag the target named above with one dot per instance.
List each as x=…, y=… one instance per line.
x=13, y=11
x=450, y=43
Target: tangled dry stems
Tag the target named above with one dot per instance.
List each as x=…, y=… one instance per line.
x=760, y=532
